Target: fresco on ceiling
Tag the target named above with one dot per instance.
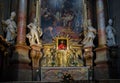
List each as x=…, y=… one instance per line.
x=56, y=15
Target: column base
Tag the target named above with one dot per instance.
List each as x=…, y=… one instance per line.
x=20, y=68
x=101, y=54
x=19, y=72
x=21, y=54
x=101, y=70
x=113, y=52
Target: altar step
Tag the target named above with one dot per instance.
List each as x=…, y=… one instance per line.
x=77, y=81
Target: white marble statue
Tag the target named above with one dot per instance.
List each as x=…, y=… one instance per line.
x=11, y=28
x=89, y=36
x=35, y=33
x=31, y=40
x=110, y=31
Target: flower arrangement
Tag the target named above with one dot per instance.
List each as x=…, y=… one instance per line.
x=67, y=78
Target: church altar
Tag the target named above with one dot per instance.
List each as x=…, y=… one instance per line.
x=55, y=74
x=58, y=61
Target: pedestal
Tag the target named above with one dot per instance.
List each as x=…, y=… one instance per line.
x=101, y=70
x=113, y=52
x=21, y=54
x=113, y=66
x=101, y=54
x=20, y=66
x=88, y=55
x=35, y=55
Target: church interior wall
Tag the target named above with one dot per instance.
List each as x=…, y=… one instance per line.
x=112, y=12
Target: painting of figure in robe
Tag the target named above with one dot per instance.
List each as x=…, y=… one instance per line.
x=62, y=44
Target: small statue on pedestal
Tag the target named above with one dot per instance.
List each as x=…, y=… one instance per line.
x=110, y=34
x=11, y=28
x=35, y=33
x=88, y=43
x=89, y=36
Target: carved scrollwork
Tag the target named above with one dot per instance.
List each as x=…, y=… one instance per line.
x=70, y=54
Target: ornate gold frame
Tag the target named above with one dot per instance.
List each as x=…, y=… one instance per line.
x=65, y=40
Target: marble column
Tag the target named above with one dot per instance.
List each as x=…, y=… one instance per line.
x=21, y=61
x=21, y=48
x=21, y=36
x=101, y=69
x=101, y=22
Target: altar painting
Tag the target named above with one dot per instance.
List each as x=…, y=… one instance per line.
x=57, y=15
